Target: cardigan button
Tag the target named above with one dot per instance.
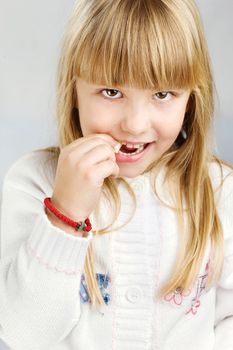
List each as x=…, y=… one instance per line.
x=134, y=295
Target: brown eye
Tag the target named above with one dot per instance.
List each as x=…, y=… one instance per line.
x=161, y=95
x=110, y=93
x=164, y=96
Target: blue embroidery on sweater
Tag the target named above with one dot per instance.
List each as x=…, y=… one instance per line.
x=103, y=282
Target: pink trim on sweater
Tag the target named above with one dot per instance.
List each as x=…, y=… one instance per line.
x=32, y=252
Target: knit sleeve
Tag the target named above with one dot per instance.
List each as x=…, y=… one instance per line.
x=224, y=297
x=40, y=267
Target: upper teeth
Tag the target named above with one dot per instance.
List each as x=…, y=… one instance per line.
x=130, y=145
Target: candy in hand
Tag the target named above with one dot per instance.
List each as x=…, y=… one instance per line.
x=117, y=147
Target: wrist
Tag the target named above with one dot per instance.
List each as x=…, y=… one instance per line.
x=63, y=226
x=66, y=211
x=64, y=222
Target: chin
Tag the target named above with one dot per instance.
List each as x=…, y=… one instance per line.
x=130, y=172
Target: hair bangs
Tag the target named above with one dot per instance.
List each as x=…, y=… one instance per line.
x=129, y=47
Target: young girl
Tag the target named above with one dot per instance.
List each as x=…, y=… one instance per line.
x=122, y=237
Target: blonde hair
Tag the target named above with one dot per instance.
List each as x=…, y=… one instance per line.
x=156, y=45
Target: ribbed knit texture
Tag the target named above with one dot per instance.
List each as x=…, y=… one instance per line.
x=60, y=252
x=136, y=267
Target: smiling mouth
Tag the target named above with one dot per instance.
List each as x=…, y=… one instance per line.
x=133, y=149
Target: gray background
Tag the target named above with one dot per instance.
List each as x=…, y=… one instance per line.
x=30, y=40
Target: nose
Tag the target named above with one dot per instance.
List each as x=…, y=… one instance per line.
x=136, y=119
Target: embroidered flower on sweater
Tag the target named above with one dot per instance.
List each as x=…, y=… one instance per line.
x=177, y=297
x=103, y=282
x=201, y=287
x=195, y=305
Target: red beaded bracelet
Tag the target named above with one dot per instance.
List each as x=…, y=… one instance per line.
x=79, y=226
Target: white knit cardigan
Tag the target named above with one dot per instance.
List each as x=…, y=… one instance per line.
x=44, y=303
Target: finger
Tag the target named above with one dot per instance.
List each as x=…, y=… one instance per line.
x=105, y=169
x=97, y=155
x=78, y=149
x=106, y=137
x=98, y=137
x=87, y=144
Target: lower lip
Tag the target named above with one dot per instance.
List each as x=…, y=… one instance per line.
x=128, y=158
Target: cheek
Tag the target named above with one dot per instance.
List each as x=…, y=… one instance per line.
x=170, y=125
x=94, y=119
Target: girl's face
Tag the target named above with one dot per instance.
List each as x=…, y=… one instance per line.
x=151, y=119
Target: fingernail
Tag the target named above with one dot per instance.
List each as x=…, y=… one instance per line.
x=117, y=147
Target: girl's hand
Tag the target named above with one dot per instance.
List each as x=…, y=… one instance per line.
x=82, y=167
